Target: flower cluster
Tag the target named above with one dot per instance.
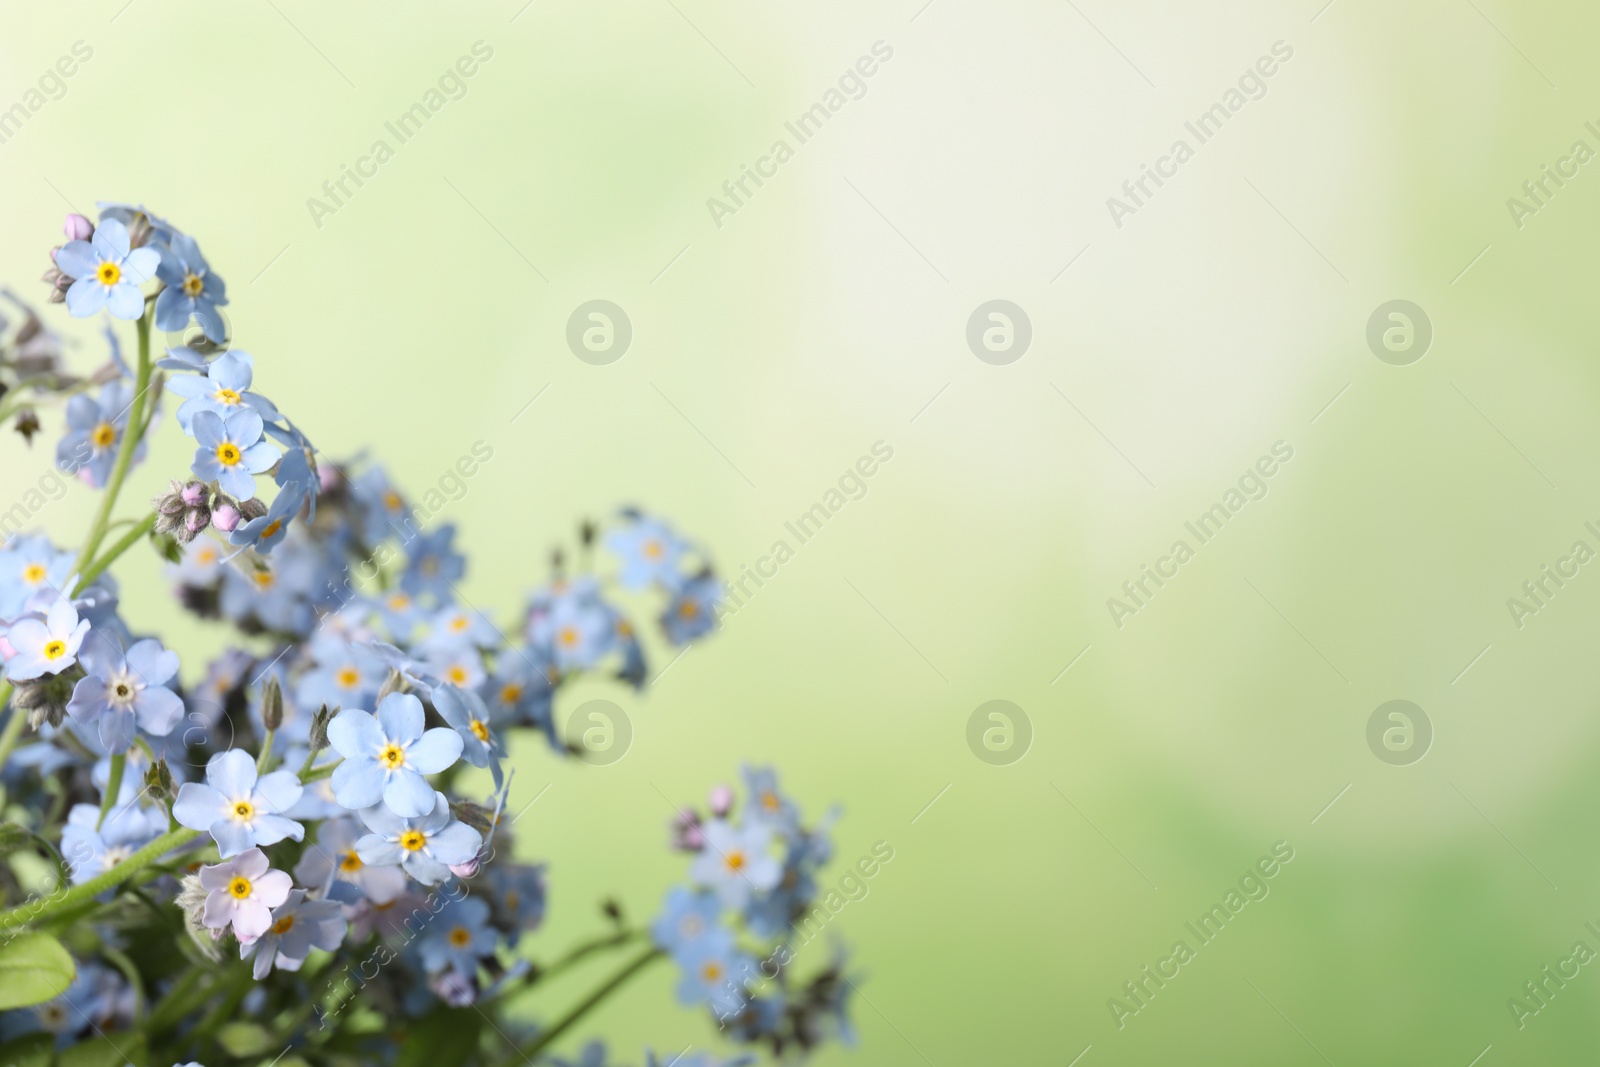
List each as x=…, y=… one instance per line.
x=304, y=841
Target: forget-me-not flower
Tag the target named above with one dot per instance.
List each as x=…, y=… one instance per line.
x=459, y=936
x=45, y=646
x=126, y=689
x=241, y=892
x=239, y=809
x=736, y=861
x=108, y=272
x=94, y=434
x=334, y=858
x=385, y=756
x=232, y=452
x=298, y=926
x=424, y=846
x=192, y=289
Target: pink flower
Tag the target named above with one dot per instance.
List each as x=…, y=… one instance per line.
x=78, y=228
x=242, y=893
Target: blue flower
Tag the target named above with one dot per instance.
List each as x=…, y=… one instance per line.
x=298, y=926
x=345, y=676
x=736, y=861
x=649, y=551
x=91, y=850
x=231, y=452
x=690, y=925
x=522, y=690
x=464, y=710
x=432, y=566
x=453, y=627
x=424, y=846
x=386, y=756
x=517, y=897
x=94, y=434
x=296, y=476
x=265, y=532
x=45, y=646
x=767, y=802
x=716, y=975
x=334, y=858
x=27, y=566
x=692, y=612
x=573, y=623
x=192, y=290
x=124, y=689
x=239, y=809
x=108, y=272
x=220, y=387
x=459, y=936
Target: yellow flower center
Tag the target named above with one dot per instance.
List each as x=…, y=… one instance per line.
x=568, y=636
x=264, y=579
x=392, y=756
x=227, y=396
x=347, y=677
x=711, y=971
x=652, y=550
x=459, y=623
x=392, y=501
x=461, y=937
x=55, y=649
x=735, y=860
x=243, y=810
x=511, y=692
x=272, y=527
x=458, y=674
x=283, y=925
x=102, y=435
x=207, y=554
x=412, y=840
x=479, y=730
x=349, y=862
x=109, y=273
x=770, y=801
x=688, y=609
x=34, y=573
x=193, y=285
x=399, y=602
x=228, y=454
x=240, y=887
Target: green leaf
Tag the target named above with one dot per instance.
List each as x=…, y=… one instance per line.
x=116, y=1049
x=243, y=1039
x=34, y=968
x=31, y=1050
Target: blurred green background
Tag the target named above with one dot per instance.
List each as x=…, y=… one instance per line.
x=830, y=312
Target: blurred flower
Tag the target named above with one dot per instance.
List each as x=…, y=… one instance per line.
x=94, y=433
x=459, y=936
x=736, y=861
x=648, y=549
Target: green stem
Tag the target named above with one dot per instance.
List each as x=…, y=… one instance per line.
x=13, y=730
x=583, y=951
x=130, y=442
x=119, y=764
x=174, y=1005
x=140, y=530
x=26, y=914
x=584, y=1006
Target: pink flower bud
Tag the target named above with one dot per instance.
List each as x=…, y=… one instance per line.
x=225, y=517
x=721, y=801
x=194, y=494
x=327, y=477
x=465, y=870
x=78, y=228
x=196, y=520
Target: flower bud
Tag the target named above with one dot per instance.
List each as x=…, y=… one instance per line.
x=253, y=508
x=319, y=727
x=686, y=833
x=78, y=228
x=171, y=502
x=158, y=781
x=193, y=494
x=721, y=801
x=465, y=870
x=225, y=517
x=395, y=683
x=272, y=704
x=476, y=816
x=194, y=521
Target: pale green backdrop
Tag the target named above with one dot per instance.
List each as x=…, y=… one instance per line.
x=829, y=312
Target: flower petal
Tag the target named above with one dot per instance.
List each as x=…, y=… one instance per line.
x=456, y=843
x=378, y=851
x=110, y=240
x=358, y=782
x=232, y=773
x=86, y=297
x=141, y=264
x=125, y=301
x=232, y=837
x=77, y=259
x=408, y=793
x=400, y=716
x=270, y=829
x=435, y=750
x=355, y=733
x=198, y=806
